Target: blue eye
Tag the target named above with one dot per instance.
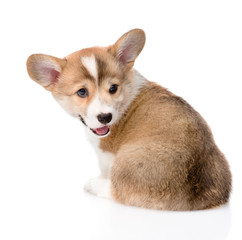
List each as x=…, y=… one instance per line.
x=82, y=93
x=113, y=89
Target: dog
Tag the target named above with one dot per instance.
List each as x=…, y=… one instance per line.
x=155, y=151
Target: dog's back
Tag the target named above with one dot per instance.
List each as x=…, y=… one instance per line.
x=165, y=155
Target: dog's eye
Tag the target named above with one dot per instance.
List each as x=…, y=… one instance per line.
x=82, y=93
x=113, y=89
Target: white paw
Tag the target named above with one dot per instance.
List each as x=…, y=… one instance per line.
x=99, y=187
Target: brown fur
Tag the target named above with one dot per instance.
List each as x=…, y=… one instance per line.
x=165, y=154
x=166, y=157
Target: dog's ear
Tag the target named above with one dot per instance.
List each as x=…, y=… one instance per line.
x=128, y=47
x=45, y=69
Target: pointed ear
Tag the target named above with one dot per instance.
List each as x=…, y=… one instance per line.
x=128, y=47
x=45, y=69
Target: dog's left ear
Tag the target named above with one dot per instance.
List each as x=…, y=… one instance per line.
x=45, y=69
x=128, y=47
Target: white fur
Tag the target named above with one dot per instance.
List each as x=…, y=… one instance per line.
x=139, y=82
x=90, y=64
x=95, y=108
x=99, y=187
x=105, y=162
x=105, y=158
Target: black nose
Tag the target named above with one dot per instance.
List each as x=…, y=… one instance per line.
x=104, y=118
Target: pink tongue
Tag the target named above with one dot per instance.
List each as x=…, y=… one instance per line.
x=102, y=130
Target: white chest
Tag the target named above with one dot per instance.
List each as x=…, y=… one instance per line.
x=105, y=158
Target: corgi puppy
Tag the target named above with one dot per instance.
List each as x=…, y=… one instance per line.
x=155, y=151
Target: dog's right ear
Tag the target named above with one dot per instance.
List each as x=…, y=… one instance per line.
x=45, y=69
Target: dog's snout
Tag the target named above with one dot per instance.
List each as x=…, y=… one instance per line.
x=104, y=118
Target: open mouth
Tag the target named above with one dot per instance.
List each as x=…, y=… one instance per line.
x=101, y=131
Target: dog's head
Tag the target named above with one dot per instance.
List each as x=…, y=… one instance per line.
x=93, y=84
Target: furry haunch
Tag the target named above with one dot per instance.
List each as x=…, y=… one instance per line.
x=155, y=151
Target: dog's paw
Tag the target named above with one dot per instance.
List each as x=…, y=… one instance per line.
x=99, y=187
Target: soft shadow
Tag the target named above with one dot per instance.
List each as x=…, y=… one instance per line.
x=146, y=224
x=115, y=221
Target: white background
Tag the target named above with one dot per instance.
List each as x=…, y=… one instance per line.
x=194, y=48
